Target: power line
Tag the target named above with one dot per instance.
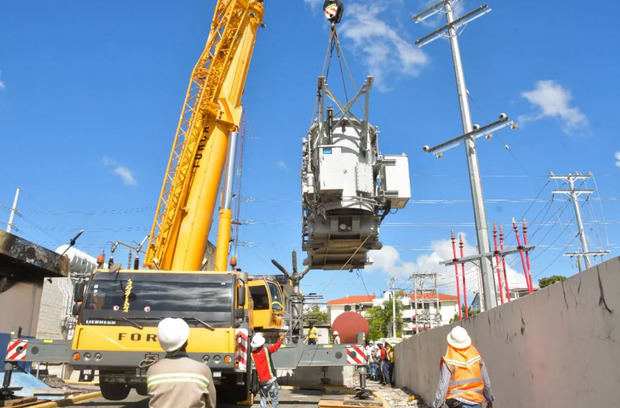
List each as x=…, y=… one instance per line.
x=359, y=274
x=602, y=209
x=555, y=259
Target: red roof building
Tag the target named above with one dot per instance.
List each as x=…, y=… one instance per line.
x=431, y=296
x=352, y=300
x=427, y=315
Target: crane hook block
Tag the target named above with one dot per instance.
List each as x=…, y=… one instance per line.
x=333, y=10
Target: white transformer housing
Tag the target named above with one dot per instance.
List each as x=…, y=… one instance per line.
x=347, y=186
x=81, y=264
x=397, y=185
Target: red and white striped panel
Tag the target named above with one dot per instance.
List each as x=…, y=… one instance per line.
x=331, y=11
x=356, y=355
x=16, y=351
x=241, y=336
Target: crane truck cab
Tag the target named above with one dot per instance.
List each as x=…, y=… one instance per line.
x=268, y=305
x=116, y=332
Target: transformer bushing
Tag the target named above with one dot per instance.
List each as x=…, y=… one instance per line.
x=348, y=187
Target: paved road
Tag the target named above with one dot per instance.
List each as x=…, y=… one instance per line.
x=288, y=399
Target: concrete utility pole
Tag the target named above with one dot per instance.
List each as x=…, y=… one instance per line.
x=470, y=133
x=393, y=310
x=10, y=225
x=573, y=195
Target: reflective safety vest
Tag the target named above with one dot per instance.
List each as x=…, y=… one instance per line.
x=178, y=381
x=312, y=333
x=390, y=354
x=466, y=380
x=263, y=363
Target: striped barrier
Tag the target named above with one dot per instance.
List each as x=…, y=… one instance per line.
x=242, y=350
x=16, y=350
x=356, y=355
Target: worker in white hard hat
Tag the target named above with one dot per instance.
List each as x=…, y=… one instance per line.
x=336, y=337
x=464, y=380
x=267, y=378
x=177, y=380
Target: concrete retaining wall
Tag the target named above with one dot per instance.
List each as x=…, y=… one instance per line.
x=19, y=307
x=559, y=347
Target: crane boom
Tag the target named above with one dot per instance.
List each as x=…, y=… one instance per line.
x=212, y=110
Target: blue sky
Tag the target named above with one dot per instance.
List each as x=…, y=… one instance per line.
x=90, y=94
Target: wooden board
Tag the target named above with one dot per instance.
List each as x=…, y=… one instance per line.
x=349, y=403
x=19, y=402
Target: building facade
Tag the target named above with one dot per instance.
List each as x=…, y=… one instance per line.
x=431, y=309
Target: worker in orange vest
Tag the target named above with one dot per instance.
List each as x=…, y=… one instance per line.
x=464, y=381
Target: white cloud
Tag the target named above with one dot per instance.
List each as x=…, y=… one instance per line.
x=388, y=260
x=125, y=174
x=458, y=8
x=553, y=101
x=2, y=86
x=281, y=164
x=314, y=3
x=439, y=19
x=384, y=51
x=617, y=156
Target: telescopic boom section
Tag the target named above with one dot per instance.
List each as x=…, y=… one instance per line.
x=212, y=110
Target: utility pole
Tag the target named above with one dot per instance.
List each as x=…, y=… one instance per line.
x=415, y=303
x=393, y=310
x=470, y=132
x=421, y=277
x=437, y=306
x=10, y=224
x=573, y=195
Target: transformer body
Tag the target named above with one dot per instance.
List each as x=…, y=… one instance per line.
x=348, y=187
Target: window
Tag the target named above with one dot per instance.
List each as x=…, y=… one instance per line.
x=347, y=308
x=151, y=297
x=129, y=295
x=276, y=299
x=259, y=297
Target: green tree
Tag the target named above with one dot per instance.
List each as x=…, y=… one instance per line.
x=455, y=318
x=380, y=320
x=550, y=280
x=316, y=316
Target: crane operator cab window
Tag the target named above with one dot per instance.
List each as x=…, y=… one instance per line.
x=260, y=297
x=276, y=297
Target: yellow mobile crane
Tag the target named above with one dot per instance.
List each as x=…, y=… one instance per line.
x=118, y=316
x=118, y=310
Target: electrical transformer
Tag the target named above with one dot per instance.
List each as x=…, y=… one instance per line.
x=348, y=186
